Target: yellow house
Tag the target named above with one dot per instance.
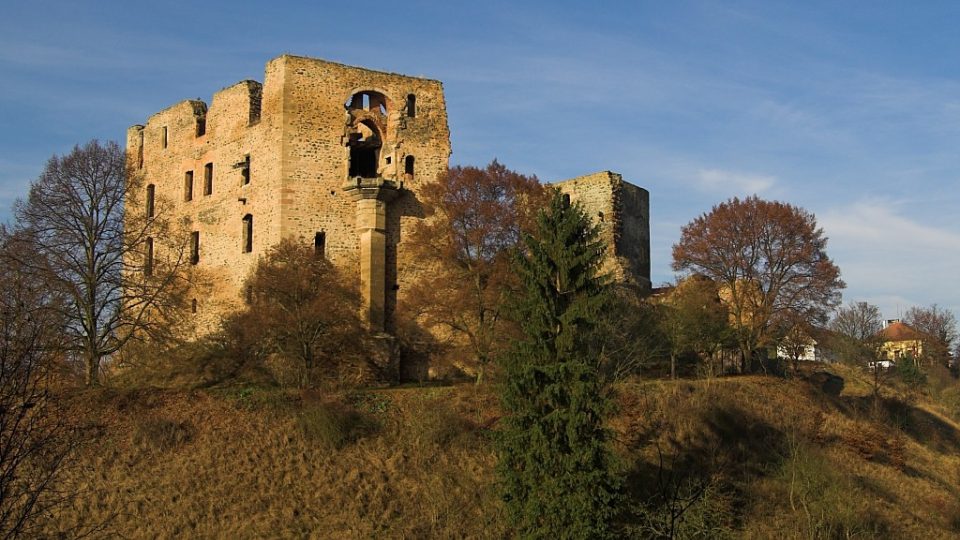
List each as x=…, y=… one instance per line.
x=900, y=340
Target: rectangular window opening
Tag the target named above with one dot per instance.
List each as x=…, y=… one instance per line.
x=411, y=105
x=247, y=233
x=188, y=186
x=201, y=127
x=245, y=170
x=163, y=137
x=140, y=152
x=148, y=259
x=194, y=247
x=320, y=245
x=151, y=190
x=208, y=179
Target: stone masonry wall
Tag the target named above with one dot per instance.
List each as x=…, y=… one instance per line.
x=291, y=135
x=622, y=210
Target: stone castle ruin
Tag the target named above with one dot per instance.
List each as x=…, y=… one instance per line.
x=335, y=156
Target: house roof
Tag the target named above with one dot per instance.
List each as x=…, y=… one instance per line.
x=898, y=331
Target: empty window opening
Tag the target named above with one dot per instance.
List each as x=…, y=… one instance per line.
x=389, y=159
x=188, y=186
x=245, y=170
x=365, y=151
x=140, y=152
x=163, y=137
x=368, y=101
x=247, y=233
x=600, y=215
x=208, y=179
x=201, y=127
x=408, y=167
x=151, y=190
x=194, y=247
x=320, y=245
x=148, y=258
x=193, y=306
x=411, y=105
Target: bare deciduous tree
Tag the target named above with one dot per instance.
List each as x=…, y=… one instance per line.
x=36, y=437
x=769, y=258
x=939, y=326
x=857, y=340
x=101, y=241
x=477, y=219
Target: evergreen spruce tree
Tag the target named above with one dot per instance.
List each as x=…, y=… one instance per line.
x=555, y=467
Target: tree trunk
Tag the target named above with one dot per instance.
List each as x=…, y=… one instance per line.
x=93, y=370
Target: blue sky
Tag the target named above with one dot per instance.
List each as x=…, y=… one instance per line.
x=847, y=109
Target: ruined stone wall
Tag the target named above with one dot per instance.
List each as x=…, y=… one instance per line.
x=279, y=154
x=622, y=210
x=316, y=159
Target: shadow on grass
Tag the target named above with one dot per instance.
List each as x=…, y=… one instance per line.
x=920, y=425
x=696, y=479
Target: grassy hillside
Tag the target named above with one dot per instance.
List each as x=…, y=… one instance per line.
x=753, y=457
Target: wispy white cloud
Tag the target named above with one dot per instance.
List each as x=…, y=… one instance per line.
x=891, y=259
x=721, y=181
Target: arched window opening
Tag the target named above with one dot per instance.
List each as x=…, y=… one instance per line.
x=408, y=167
x=193, y=306
x=411, y=105
x=368, y=100
x=320, y=245
x=247, y=233
x=365, y=151
x=148, y=258
x=151, y=190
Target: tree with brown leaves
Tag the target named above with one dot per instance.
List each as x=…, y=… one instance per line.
x=301, y=308
x=769, y=258
x=101, y=245
x=477, y=217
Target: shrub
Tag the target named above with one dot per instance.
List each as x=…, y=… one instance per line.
x=161, y=434
x=910, y=372
x=334, y=425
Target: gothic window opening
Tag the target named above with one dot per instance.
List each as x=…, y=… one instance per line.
x=320, y=245
x=365, y=147
x=411, y=105
x=148, y=258
x=408, y=164
x=208, y=179
x=151, y=190
x=188, y=186
x=247, y=233
x=194, y=247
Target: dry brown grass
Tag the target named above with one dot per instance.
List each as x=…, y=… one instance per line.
x=777, y=459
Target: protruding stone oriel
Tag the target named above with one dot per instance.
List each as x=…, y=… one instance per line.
x=372, y=196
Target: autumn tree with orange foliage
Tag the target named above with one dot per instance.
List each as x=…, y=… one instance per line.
x=476, y=218
x=770, y=260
